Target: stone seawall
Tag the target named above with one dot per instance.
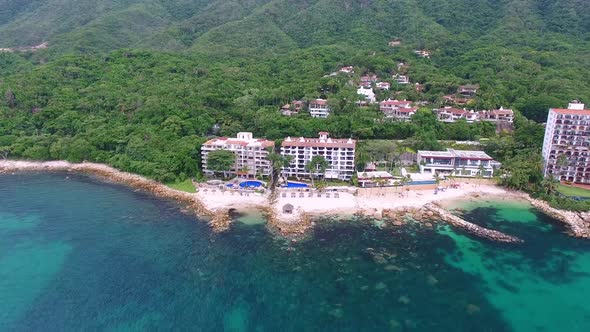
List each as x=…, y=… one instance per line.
x=472, y=228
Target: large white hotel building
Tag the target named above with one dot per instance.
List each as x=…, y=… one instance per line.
x=251, y=154
x=338, y=152
x=567, y=134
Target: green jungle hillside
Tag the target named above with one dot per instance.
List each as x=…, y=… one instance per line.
x=140, y=84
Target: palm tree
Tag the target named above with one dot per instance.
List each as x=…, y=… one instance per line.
x=562, y=162
x=317, y=164
x=277, y=163
x=549, y=185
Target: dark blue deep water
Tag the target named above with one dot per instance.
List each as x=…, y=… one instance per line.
x=79, y=254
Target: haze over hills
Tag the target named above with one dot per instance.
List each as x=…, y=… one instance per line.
x=139, y=83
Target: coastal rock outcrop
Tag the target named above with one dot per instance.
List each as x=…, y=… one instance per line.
x=472, y=228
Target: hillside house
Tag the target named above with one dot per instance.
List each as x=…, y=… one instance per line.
x=319, y=108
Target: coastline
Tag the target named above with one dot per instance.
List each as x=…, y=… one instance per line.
x=379, y=203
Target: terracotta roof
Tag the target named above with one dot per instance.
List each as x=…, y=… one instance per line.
x=452, y=110
x=318, y=101
x=566, y=111
x=394, y=103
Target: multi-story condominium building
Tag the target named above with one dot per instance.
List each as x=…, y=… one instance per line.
x=457, y=162
x=319, y=108
x=566, y=147
x=338, y=152
x=251, y=154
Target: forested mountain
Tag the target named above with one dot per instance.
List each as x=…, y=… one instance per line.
x=140, y=83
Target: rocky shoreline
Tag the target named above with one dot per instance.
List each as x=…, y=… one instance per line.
x=578, y=222
x=299, y=222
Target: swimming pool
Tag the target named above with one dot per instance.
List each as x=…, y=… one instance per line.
x=296, y=185
x=416, y=183
x=254, y=184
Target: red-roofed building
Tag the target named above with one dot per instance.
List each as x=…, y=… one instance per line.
x=566, y=147
x=291, y=109
x=338, y=152
x=383, y=85
x=390, y=108
x=251, y=154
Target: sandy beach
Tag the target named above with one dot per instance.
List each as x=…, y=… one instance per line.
x=367, y=201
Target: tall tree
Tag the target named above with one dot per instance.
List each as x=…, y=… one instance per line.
x=317, y=164
x=221, y=161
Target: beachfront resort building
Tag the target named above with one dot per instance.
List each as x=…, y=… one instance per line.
x=339, y=153
x=566, y=147
x=457, y=162
x=251, y=154
x=319, y=108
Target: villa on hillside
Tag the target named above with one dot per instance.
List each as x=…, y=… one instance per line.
x=383, y=85
x=367, y=93
x=347, y=70
x=251, y=154
x=451, y=114
x=293, y=108
x=397, y=109
x=468, y=91
x=339, y=153
x=319, y=108
x=457, y=162
x=401, y=79
x=501, y=115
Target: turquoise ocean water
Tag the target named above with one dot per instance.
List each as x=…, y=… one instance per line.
x=77, y=254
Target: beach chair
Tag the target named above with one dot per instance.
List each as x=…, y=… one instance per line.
x=301, y=195
x=336, y=195
x=293, y=195
x=310, y=194
x=328, y=195
x=283, y=194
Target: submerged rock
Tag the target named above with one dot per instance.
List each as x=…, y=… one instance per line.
x=432, y=280
x=337, y=313
x=380, y=286
x=403, y=299
x=472, y=309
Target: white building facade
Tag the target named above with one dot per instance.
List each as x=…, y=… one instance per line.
x=457, y=162
x=251, y=154
x=319, y=108
x=566, y=147
x=339, y=153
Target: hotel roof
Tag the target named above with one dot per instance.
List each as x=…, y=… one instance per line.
x=451, y=153
x=256, y=142
x=567, y=111
x=318, y=142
